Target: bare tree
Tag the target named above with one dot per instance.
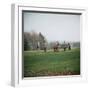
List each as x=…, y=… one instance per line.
x=33, y=40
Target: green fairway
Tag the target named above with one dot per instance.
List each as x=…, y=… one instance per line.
x=39, y=63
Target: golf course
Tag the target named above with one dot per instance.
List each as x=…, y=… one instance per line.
x=38, y=63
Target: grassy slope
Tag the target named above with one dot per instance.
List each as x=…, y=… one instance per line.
x=51, y=63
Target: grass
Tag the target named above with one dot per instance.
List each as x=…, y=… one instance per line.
x=39, y=63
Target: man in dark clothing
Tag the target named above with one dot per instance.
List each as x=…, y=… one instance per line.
x=69, y=46
x=64, y=46
x=45, y=47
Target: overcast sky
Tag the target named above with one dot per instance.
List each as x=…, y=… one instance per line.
x=55, y=27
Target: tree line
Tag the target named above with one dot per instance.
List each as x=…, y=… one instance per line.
x=35, y=41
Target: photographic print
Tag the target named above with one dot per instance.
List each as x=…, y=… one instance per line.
x=51, y=43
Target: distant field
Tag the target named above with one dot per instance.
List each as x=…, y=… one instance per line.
x=39, y=63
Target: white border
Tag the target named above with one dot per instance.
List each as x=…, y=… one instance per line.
x=16, y=67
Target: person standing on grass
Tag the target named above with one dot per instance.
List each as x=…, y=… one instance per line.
x=64, y=46
x=69, y=46
x=45, y=47
x=38, y=46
